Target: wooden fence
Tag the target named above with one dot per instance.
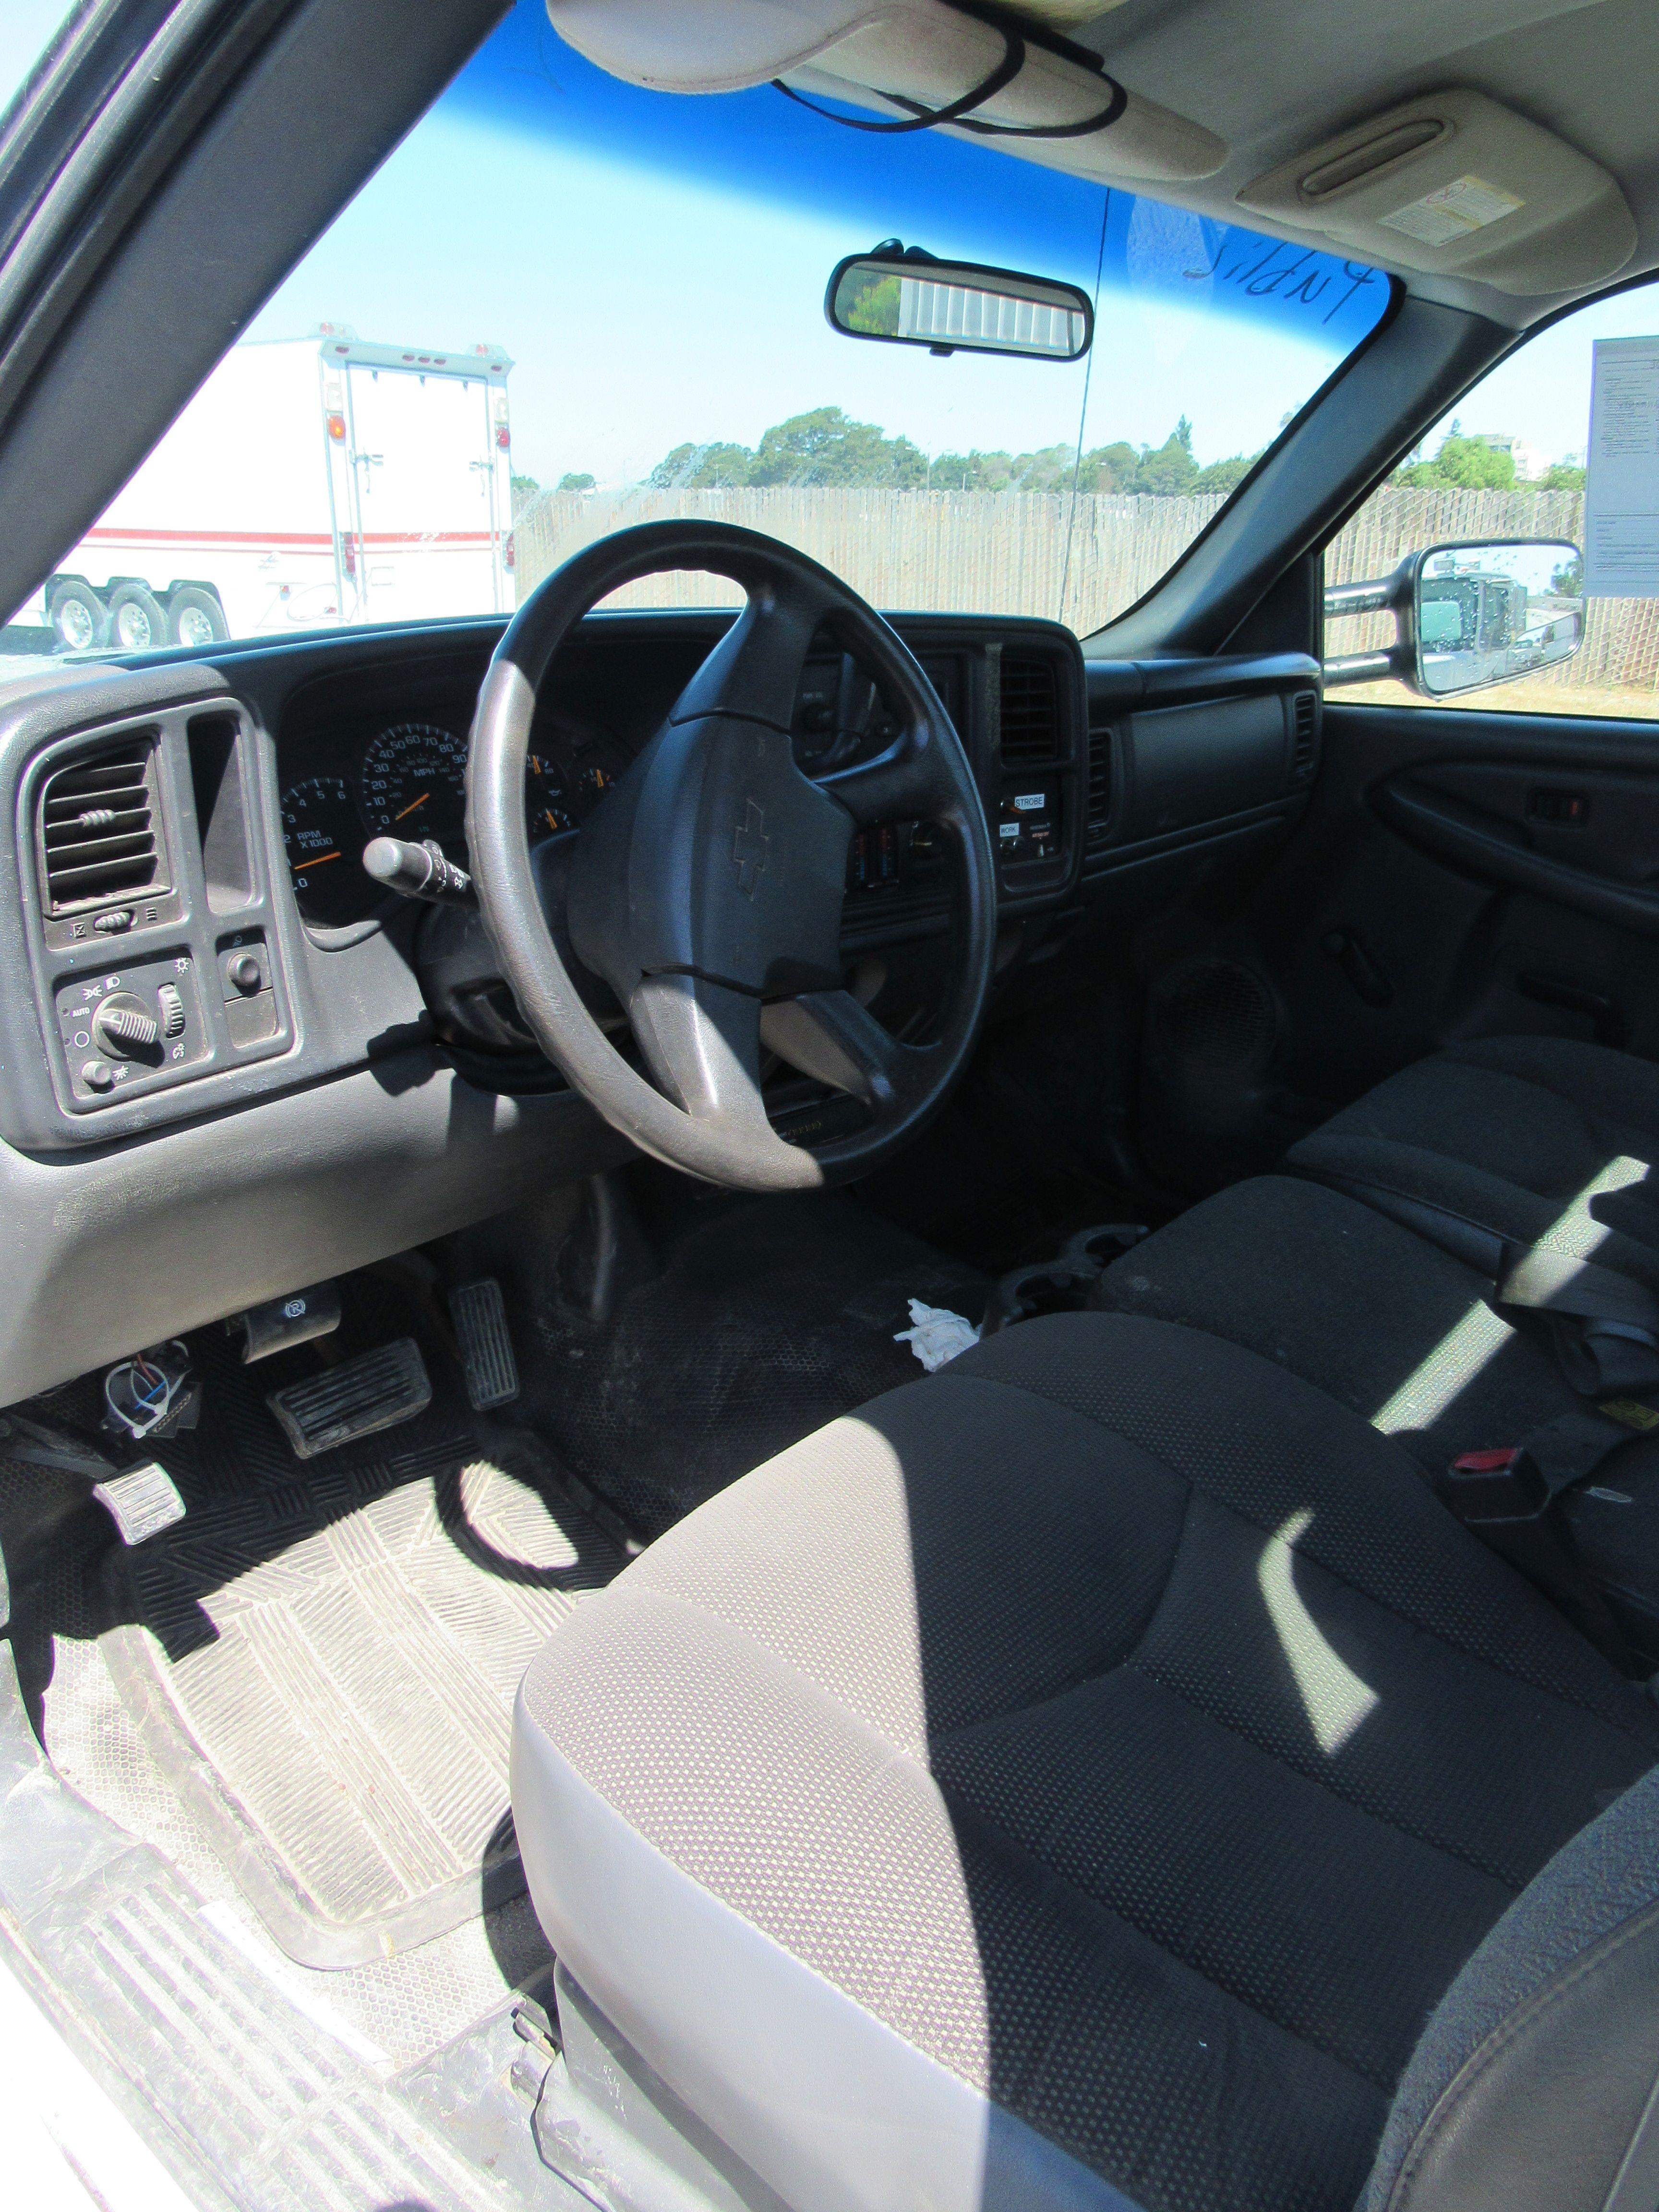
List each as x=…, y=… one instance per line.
x=1042, y=553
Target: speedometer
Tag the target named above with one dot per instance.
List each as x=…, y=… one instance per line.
x=414, y=785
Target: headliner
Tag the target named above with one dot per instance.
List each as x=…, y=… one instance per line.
x=1275, y=77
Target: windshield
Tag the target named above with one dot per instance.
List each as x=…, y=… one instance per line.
x=565, y=304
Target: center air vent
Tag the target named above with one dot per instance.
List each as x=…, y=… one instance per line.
x=1099, y=820
x=1030, y=713
x=1304, y=718
x=98, y=838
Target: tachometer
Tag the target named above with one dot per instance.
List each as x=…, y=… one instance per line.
x=414, y=785
x=324, y=835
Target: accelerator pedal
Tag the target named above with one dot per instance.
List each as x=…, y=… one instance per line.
x=373, y=1392
x=479, y=1313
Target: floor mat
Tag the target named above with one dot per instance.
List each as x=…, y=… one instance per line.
x=322, y=1661
x=764, y=1319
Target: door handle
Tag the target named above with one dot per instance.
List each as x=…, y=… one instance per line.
x=1489, y=848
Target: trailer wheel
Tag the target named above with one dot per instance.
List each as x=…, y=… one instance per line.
x=195, y=618
x=135, y=621
x=78, y=616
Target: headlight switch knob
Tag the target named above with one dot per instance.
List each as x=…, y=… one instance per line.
x=123, y=1026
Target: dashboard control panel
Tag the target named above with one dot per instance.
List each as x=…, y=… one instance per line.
x=126, y=1028
x=156, y=961
x=1029, y=822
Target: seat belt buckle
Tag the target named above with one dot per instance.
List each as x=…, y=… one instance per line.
x=1505, y=1484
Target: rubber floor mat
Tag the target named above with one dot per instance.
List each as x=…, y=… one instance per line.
x=323, y=1660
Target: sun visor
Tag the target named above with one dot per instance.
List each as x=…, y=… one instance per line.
x=923, y=51
x=1452, y=183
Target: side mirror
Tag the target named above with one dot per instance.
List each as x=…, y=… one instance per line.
x=1469, y=616
x=1489, y=612
x=957, y=306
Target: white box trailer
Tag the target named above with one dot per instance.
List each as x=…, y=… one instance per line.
x=311, y=483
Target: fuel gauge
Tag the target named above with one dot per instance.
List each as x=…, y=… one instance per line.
x=546, y=797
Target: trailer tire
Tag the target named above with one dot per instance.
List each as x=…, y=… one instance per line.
x=78, y=616
x=136, y=623
x=196, y=618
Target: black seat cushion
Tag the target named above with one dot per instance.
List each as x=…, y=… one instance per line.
x=1519, y=1139
x=1386, y=1322
x=1093, y=1762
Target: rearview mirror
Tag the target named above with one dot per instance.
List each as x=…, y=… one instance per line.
x=1489, y=612
x=950, y=307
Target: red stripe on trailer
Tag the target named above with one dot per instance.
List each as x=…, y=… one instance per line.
x=293, y=537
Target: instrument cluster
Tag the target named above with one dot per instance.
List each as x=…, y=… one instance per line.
x=409, y=780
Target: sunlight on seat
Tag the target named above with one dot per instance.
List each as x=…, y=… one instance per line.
x=1437, y=1380
x=1337, y=1702
x=1575, y=1229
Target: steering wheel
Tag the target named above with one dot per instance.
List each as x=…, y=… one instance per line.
x=706, y=888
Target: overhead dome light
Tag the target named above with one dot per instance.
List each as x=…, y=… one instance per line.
x=1366, y=159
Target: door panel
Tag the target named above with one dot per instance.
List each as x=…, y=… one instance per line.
x=1459, y=874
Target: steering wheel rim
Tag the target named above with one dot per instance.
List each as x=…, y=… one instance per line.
x=703, y=886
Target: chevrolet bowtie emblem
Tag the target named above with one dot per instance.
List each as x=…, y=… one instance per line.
x=751, y=848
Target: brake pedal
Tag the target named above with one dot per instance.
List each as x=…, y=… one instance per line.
x=374, y=1391
x=479, y=1313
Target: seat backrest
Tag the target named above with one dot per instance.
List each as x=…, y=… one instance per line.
x=1532, y=2088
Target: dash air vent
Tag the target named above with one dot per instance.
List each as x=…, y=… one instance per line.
x=1099, y=818
x=1304, y=716
x=1030, y=713
x=97, y=829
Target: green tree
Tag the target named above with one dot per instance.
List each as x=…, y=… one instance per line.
x=1172, y=470
x=1561, y=476
x=575, y=482
x=1111, y=468
x=826, y=446
x=869, y=303
x=1225, y=476
x=1461, y=465
x=1050, y=469
x=713, y=467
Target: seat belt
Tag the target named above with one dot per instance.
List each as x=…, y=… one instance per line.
x=1603, y=1329
x=1602, y=1326
x=1508, y=1497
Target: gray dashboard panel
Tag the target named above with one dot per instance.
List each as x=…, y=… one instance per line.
x=356, y=1140
x=110, y=1250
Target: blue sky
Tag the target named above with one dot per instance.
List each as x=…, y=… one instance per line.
x=581, y=222
x=25, y=27
x=656, y=265
x=1542, y=393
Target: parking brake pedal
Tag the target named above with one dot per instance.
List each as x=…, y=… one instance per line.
x=373, y=1392
x=479, y=1314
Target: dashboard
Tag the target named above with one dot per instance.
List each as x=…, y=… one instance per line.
x=364, y=755
x=231, y=1065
